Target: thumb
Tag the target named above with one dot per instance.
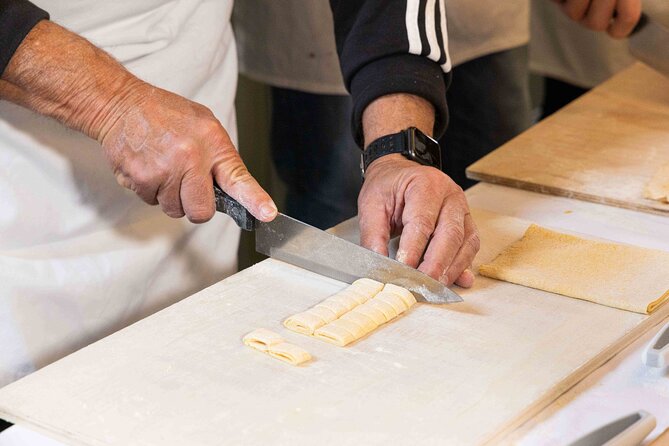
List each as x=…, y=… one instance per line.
x=234, y=178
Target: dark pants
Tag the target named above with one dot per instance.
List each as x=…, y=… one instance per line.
x=557, y=94
x=316, y=157
x=489, y=103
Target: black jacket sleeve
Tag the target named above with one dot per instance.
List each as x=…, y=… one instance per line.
x=393, y=46
x=17, y=18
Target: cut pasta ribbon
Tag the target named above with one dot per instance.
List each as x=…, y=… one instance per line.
x=274, y=345
x=352, y=313
x=333, y=307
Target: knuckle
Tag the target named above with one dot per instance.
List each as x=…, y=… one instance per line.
x=210, y=126
x=237, y=175
x=455, y=233
x=474, y=242
x=422, y=225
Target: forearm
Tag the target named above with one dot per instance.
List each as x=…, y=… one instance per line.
x=59, y=74
x=382, y=55
x=394, y=113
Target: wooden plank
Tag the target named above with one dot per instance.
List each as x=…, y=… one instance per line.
x=460, y=374
x=603, y=147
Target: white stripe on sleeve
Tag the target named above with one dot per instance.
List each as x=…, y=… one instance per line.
x=446, y=67
x=413, y=34
x=431, y=31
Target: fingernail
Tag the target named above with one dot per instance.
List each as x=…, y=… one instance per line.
x=268, y=210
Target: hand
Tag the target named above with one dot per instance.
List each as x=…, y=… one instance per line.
x=164, y=147
x=428, y=209
x=616, y=17
x=168, y=150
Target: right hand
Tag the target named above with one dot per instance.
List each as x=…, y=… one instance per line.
x=616, y=17
x=169, y=150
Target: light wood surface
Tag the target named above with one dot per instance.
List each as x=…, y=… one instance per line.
x=459, y=374
x=604, y=147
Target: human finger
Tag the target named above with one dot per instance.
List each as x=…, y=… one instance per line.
x=375, y=225
x=447, y=239
x=170, y=199
x=419, y=220
x=575, y=9
x=599, y=15
x=465, y=256
x=234, y=178
x=628, y=13
x=197, y=196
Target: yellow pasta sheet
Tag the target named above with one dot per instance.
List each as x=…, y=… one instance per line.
x=620, y=276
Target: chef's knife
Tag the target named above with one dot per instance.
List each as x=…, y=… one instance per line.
x=292, y=241
x=649, y=43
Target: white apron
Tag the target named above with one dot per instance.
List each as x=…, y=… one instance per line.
x=80, y=257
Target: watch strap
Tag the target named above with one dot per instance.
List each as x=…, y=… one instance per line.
x=395, y=143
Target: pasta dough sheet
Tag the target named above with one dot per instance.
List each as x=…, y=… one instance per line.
x=658, y=187
x=620, y=276
x=274, y=345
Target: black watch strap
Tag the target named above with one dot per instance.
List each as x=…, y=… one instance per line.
x=395, y=143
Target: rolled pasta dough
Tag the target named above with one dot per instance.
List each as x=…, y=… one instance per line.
x=262, y=339
x=274, y=345
x=289, y=353
x=620, y=276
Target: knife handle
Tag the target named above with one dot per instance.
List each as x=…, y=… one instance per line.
x=228, y=205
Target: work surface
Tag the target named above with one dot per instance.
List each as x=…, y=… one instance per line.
x=603, y=147
x=462, y=373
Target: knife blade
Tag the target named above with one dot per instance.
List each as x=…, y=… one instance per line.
x=300, y=244
x=649, y=43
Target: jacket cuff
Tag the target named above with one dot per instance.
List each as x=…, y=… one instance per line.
x=403, y=73
x=17, y=18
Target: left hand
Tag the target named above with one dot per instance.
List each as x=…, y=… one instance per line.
x=616, y=17
x=438, y=235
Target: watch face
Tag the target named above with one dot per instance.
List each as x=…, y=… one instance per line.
x=425, y=149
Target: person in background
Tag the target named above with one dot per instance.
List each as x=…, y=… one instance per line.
x=489, y=100
x=290, y=46
x=571, y=58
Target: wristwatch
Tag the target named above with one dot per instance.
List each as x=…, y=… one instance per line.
x=412, y=143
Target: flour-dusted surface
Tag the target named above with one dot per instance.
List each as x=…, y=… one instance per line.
x=603, y=147
x=612, y=274
x=457, y=374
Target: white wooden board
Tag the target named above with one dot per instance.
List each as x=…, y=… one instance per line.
x=459, y=374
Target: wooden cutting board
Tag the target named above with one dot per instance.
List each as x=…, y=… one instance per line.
x=603, y=147
x=459, y=374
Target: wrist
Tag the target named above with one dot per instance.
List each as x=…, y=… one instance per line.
x=393, y=113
